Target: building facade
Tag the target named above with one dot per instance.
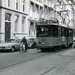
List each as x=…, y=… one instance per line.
x=48, y=9
x=18, y=17
x=13, y=19
x=39, y=9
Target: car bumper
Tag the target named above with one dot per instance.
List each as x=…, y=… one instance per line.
x=4, y=49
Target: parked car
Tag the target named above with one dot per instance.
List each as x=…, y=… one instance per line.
x=11, y=45
x=31, y=43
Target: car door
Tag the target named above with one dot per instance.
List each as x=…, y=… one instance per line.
x=17, y=46
x=18, y=43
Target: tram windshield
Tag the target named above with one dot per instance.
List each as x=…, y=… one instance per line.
x=43, y=30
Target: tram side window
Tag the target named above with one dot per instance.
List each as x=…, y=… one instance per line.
x=46, y=30
x=66, y=32
x=73, y=32
x=70, y=32
x=51, y=31
x=37, y=31
x=59, y=31
x=55, y=31
x=62, y=31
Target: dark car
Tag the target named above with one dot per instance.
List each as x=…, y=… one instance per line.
x=32, y=43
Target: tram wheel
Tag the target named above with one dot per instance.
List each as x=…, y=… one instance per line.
x=42, y=49
x=56, y=49
x=59, y=48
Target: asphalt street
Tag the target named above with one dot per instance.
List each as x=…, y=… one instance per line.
x=34, y=62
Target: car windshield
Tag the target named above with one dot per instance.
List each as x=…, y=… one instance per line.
x=18, y=40
x=13, y=41
x=32, y=39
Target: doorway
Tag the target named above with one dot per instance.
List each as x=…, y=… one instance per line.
x=7, y=30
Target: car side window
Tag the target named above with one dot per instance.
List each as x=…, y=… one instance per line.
x=12, y=41
x=18, y=41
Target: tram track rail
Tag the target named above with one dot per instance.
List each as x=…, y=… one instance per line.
x=36, y=57
x=49, y=70
x=22, y=61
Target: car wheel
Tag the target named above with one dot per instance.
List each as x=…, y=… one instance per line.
x=13, y=49
x=32, y=46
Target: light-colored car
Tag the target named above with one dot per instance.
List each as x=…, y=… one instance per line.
x=11, y=45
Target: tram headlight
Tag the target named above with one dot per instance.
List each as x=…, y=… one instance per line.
x=43, y=43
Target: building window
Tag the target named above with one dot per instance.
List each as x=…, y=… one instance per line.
x=44, y=1
x=40, y=0
x=16, y=23
x=32, y=6
x=41, y=12
x=31, y=9
x=47, y=1
x=16, y=1
x=31, y=29
x=8, y=17
x=23, y=5
x=45, y=10
x=37, y=9
x=23, y=23
x=8, y=3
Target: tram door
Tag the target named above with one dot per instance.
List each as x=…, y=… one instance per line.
x=7, y=30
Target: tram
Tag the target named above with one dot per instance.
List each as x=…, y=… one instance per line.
x=53, y=36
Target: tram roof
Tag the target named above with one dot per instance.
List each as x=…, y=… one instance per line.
x=46, y=23
x=55, y=25
x=50, y=22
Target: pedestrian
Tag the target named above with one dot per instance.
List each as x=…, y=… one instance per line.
x=25, y=45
